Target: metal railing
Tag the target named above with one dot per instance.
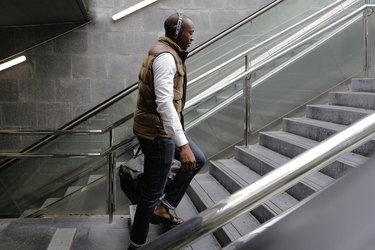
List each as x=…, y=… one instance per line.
x=131, y=89
x=271, y=184
x=72, y=124
x=297, y=32
x=234, y=27
x=280, y=179
x=250, y=69
x=366, y=65
x=110, y=153
x=53, y=133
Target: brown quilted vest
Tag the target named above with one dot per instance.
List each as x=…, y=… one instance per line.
x=147, y=121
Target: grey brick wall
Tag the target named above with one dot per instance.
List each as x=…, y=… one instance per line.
x=67, y=76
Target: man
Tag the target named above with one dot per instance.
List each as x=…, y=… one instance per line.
x=158, y=125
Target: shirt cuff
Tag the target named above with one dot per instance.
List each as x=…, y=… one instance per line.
x=180, y=139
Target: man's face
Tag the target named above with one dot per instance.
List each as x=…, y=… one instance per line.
x=186, y=38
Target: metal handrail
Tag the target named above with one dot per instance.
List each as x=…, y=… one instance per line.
x=68, y=155
x=109, y=153
x=274, y=182
x=247, y=131
x=234, y=27
x=66, y=132
x=80, y=119
x=205, y=94
x=256, y=67
x=133, y=87
x=111, y=158
x=271, y=184
x=53, y=133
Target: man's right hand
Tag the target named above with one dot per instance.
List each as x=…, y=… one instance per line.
x=187, y=159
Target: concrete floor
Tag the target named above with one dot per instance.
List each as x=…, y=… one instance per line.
x=63, y=233
x=89, y=233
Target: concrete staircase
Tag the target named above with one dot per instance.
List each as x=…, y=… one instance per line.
x=275, y=148
x=248, y=164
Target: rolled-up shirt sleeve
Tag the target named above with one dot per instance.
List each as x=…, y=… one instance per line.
x=164, y=68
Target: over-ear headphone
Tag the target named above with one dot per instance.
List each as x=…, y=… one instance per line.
x=178, y=26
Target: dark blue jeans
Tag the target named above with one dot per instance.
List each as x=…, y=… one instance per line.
x=158, y=159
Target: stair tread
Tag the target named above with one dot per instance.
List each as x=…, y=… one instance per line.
x=242, y=175
x=353, y=93
x=305, y=143
x=342, y=108
x=211, y=192
x=320, y=130
x=363, y=84
x=187, y=210
x=320, y=123
x=315, y=180
x=364, y=100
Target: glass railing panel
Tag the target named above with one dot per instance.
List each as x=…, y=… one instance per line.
x=111, y=114
x=259, y=29
x=228, y=49
x=66, y=144
x=324, y=62
x=219, y=78
x=225, y=127
x=29, y=183
x=324, y=67
x=221, y=129
x=371, y=43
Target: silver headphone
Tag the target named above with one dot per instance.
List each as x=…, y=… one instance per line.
x=179, y=25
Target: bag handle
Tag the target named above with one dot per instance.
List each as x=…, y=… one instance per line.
x=137, y=153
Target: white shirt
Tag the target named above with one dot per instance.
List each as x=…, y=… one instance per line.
x=164, y=68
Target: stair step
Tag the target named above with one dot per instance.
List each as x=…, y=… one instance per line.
x=71, y=190
x=205, y=191
x=336, y=114
x=363, y=84
x=28, y=212
x=62, y=239
x=263, y=160
x=292, y=145
x=93, y=178
x=320, y=130
x=364, y=100
x=155, y=230
x=234, y=176
x=187, y=210
x=49, y=201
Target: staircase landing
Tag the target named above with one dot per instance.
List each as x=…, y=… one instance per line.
x=86, y=232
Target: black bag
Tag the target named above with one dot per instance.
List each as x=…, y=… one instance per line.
x=131, y=176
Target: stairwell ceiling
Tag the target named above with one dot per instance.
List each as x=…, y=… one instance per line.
x=25, y=24
x=18, y=13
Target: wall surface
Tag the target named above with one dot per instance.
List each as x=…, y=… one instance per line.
x=69, y=75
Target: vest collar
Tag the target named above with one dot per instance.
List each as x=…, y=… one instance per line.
x=182, y=53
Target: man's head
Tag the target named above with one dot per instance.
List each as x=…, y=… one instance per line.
x=180, y=29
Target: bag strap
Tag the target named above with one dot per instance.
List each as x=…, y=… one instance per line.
x=137, y=153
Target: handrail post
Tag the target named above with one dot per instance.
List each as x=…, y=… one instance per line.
x=366, y=58
x=247, y=104
x=110, y=179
